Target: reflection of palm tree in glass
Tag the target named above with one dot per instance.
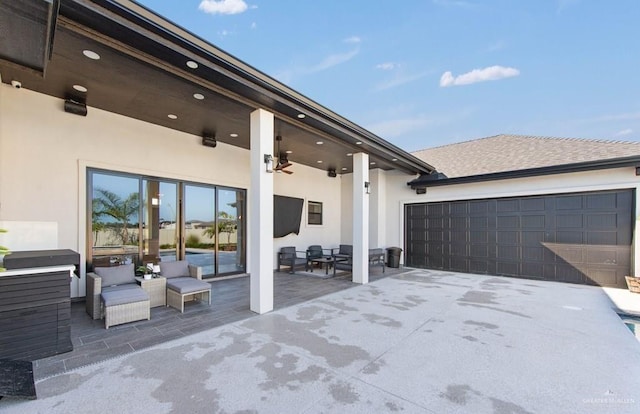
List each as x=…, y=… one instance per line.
x=107, y=203
x=226, y=224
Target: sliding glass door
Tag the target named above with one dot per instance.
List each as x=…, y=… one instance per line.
x=136, y=219
x=199, y=227
x=231, y=257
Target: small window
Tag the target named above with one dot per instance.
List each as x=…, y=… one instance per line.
x=315, y=212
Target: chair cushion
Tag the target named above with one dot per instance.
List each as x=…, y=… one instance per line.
x=185, y=285
x=117, y=275
x=123, y=294
x=179, y=268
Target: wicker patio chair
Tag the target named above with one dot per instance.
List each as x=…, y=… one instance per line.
x=184, y=283
x=113, y=294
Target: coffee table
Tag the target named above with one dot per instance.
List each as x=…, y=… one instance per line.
x=327, y=261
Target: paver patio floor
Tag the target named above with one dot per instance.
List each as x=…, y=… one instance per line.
x=417, y=342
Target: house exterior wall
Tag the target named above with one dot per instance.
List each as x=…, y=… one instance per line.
x=44, y=154
x=399, y=194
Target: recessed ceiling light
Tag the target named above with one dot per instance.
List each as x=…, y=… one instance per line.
x=344, y=168
x=372, y=163
x=91, y=54
x=358, y=142
x=319, y=161
x=301, y=116
x=172, y=116
x=79, y=88
x=234, y=135
x=349, y=154
x=198, y=96
x=289, y=152
x=319, y=142
x=192, y=64
x=394, y=159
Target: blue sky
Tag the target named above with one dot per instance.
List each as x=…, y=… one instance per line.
x=425, y=73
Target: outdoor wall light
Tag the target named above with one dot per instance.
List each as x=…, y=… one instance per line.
x=268, y=163
x=367, y=187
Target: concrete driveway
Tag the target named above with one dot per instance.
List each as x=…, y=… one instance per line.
x=419, y=342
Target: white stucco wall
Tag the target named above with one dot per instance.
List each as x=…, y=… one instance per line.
x=44, y=153
x=399, y=194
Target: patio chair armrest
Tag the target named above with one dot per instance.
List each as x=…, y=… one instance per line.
x=92, y=300
x=94, y=284
x=195, y=271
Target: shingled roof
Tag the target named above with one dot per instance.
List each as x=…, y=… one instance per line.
x=502, y=153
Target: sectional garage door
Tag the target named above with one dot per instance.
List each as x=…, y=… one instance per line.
x=579, y=237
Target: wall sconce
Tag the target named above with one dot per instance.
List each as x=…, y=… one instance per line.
x=367, y=187
x=268, y=163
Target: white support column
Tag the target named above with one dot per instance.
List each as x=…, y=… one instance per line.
x=261, y=213
x=360, y=218
x=378, y=209
x=635, y=246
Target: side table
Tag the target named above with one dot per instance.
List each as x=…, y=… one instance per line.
x=156, y=288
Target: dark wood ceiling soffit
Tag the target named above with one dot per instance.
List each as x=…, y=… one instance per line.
x=31, y=24
x=154, y=44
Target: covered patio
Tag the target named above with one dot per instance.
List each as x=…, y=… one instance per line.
x=230, y=303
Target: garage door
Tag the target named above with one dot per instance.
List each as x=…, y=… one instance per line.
x=579, y=238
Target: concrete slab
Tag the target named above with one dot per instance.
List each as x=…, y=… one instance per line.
x=421, y=342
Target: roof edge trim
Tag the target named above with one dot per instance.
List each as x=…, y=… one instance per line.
x=632, y=161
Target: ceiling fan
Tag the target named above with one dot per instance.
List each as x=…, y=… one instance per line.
x=283, y=160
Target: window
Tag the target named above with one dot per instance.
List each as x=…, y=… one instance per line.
x=314, y=209
x=134, y=217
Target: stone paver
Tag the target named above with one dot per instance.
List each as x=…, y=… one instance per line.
x=419, y=342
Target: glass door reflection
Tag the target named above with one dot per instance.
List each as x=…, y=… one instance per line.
x=160, y=225
x=199, y=228
x=230, y=229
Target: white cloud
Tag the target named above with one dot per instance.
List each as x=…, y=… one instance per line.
x=497, y=46
x=223, y=6
x=396, y=127
x=387, y=66
x=629, y=116
x=254, y=25
x=400, y=80
x=333, y=60
x=624, y=132
x=453, y=3
x=565, y=4
x=478, y=75
x=352, y=40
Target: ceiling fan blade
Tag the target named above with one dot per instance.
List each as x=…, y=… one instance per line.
x=287, y=172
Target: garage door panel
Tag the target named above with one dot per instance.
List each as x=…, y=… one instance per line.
x=569, y=237
x=508, y=222
x=572, y=221
x=578, y=238
x=533, y=254
x=532, y=270
x=480, y=251
x=532, y=204
x=533, y=222
x=601, y=201
x=508, y=252
x=508, y=205
x=569, y=202
x=479, y=266
x=507, y=268
x=533, y=238
x=508, y=237
x=602, y=237
x=602, y=221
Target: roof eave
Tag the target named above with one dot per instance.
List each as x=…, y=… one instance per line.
x=631, y=161
x=135, y=13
